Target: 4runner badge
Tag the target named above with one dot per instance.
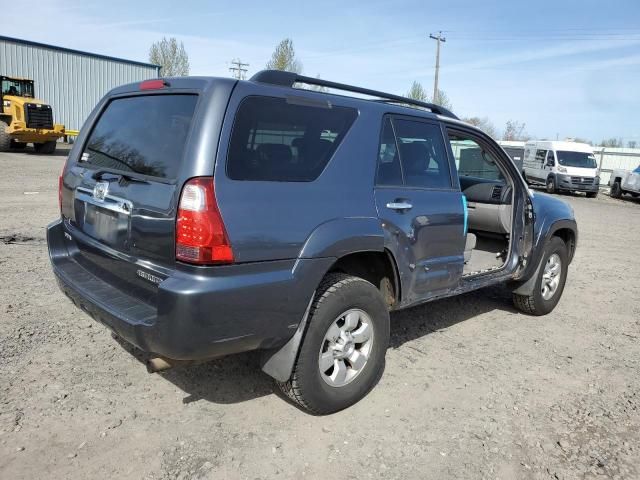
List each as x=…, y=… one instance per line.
x=100, y=190
x=149, y=277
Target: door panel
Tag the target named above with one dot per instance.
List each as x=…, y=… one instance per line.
x=426, y=239
x=421, y=212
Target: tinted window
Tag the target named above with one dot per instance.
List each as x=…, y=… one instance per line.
x=275, y=140
x=145, y=134
x=577, y=159
x=389, y=170
x=422, y=153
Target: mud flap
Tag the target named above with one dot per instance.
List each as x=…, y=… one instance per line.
x=527, y=287
x=279, y=363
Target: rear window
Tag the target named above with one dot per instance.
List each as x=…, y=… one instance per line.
x=144, y=135
x=281, y=140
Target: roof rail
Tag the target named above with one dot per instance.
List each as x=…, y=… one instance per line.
x=288, y=79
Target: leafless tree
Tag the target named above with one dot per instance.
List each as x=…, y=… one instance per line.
x=515, y=131
x=484, y=124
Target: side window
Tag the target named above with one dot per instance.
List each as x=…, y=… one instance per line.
x=540, y=156
x=422, y=154
x=472, y=160
x=389, y=169
x=550, y=157
x=274, y=140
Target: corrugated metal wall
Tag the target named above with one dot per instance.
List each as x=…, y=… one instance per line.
x=72, y=83
x=613, y=158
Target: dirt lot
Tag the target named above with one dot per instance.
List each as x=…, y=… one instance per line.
x=472, y=389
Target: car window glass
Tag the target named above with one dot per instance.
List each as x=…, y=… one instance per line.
x=143, y=134
x=472, y=160
x=540, y=156
x=274, y=140
x=422, y=153
x=576, y=159
x=389, y=169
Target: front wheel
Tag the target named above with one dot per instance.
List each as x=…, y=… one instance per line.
x=5, y=138
x=342, y=354
x=616, y=190
x=551, y=185
x=552, y=275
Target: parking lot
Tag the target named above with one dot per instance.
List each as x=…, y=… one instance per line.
x=472, y=389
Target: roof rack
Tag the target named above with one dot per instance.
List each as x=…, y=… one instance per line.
x=288, y=79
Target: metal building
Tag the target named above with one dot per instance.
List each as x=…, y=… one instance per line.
x=71, y=81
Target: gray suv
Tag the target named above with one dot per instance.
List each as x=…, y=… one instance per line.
x=202, y=217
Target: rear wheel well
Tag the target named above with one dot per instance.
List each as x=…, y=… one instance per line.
x=568, y=236
x=378, y=268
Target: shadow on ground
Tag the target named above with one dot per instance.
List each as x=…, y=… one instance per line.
x=62, y=150
x=238, y=378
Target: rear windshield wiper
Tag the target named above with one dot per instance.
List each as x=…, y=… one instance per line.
x=122, y=176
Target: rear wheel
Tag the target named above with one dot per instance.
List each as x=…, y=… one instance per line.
x=342, y=355
x=616, y=189
x=46, y=147
x=5, y=139
x=18, y=145
x=550, y=282
x=551, y=185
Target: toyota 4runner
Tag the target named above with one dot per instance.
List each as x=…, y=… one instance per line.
x=202, y=217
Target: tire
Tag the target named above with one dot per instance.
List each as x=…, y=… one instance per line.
x=46, y=148
x=536, y=303
x=592, y=194
x=18, y=145
x=616, y=190
x=551, y=185
x=5, y=139
x=340, y=294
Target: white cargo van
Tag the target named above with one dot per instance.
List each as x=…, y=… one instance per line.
x=568, y=166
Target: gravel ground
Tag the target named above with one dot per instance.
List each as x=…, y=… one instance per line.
x=472, y=388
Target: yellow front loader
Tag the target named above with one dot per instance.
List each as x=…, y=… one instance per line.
x=25, y=119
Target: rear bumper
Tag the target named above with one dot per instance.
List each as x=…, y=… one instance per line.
x=198, y=315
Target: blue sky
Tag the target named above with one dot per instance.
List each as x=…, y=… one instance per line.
x=565, y=68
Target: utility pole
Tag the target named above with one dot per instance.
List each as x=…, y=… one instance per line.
x=238, y=70
x=438, y=38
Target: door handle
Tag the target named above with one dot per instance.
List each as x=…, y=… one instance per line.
x=399, y=205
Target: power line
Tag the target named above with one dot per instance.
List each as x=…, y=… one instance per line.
x=238, y=70
x=438, y=38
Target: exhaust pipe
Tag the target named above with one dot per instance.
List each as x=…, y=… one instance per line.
x=158, y=364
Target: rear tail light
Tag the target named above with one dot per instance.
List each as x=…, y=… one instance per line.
x=201, y=237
